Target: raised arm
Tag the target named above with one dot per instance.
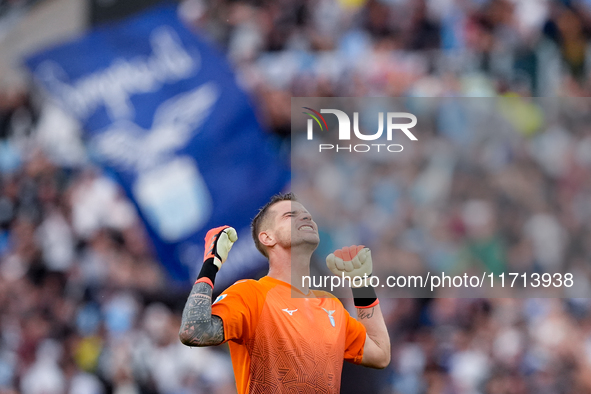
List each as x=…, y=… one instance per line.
x=198, y=326
x=355, y=261
x=376, y=352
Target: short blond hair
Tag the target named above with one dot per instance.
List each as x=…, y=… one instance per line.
x=260, y=217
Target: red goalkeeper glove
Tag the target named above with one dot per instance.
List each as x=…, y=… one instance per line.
x=218, y=242
x=355, y=262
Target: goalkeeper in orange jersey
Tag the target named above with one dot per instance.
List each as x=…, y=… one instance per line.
x=278, y=342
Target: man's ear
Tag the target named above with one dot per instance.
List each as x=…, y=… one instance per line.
x=267, y=239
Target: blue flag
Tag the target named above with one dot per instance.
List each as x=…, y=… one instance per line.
x=163, y=113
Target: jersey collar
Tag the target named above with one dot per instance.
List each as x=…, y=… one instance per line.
x=286, y=284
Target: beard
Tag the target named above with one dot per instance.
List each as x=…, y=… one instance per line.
x=298, y=239
x=304, y=240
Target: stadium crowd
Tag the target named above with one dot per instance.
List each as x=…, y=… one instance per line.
x=496, y=201
x=85, y=308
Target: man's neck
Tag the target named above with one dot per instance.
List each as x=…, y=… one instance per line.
x=291, y=266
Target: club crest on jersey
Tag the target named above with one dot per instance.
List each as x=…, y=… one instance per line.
x=220, y=297
x=332, y=322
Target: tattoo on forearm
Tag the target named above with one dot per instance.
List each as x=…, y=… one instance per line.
x=365, y=313
x=198, y=326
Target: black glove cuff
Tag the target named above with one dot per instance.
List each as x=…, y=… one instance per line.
x=208, y=270
x=364, y=296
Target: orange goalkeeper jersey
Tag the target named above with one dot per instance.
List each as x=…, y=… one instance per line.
x=284, y=344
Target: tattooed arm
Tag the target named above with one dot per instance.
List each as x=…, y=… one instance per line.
x=376, y=352
x=199, y=327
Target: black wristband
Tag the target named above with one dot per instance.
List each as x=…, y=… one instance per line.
x=208, y=270
x=364, y=296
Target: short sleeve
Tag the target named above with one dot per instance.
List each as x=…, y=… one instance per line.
x=237, y=306
x=354, y=340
